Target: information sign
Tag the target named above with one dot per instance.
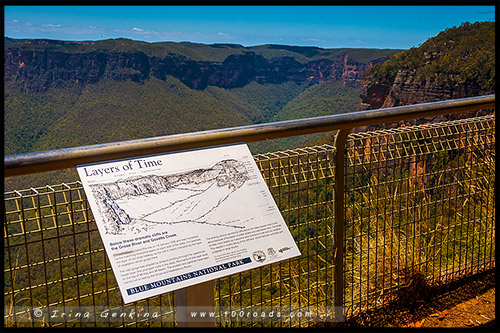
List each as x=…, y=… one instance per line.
x=173, y=220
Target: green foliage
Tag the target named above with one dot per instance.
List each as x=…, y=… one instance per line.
x=428, y=212
x=110, y=111
x=266, y=99
x=463, y=54
x=304, y=54
x=114, y=111
x=23, y=127
x=8, y=42
x=319, y=100
x=396, y=232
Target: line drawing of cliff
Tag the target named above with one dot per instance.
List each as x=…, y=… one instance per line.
x=140, y=203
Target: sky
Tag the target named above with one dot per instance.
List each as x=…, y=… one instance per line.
x=334, y=26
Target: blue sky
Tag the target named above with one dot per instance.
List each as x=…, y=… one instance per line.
x=323, y=26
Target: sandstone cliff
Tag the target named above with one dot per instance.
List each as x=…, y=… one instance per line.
x=39, y=64
x=458, y=63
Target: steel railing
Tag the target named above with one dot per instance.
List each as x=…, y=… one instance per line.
x=21, y=164
x=370, y=214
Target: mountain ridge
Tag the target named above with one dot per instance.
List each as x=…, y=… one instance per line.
x=37, y=64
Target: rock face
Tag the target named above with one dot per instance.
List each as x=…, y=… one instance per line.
x=407, y=90
x=37, y=70
x=37, y=67
x=457, y=63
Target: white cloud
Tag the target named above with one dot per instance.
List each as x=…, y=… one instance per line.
x=15, y=21
x=314, y=40
x=33, y=29
x=141, y=31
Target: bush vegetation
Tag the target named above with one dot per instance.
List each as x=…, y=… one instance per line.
x=464, y=54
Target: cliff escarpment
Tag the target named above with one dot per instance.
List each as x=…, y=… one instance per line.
x=37, y=65
x=60, y=94
x=457, y=63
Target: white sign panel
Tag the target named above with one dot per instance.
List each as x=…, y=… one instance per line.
x=173, y=220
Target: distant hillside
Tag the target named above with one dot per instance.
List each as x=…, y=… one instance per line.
x=457, y=63
x=38, y=65
x=196, y=51
x=63, y=94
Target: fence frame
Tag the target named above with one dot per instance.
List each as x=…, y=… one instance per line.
x=36, y=162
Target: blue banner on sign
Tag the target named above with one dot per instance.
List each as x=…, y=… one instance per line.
x=187, y=276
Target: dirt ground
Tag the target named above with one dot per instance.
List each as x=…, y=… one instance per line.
x=465, y=304
x=477, y=311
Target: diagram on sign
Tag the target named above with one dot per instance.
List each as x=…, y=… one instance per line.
x=172, y=220
x=199, y=196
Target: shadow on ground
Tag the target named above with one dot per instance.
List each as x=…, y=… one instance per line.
x=467, y=302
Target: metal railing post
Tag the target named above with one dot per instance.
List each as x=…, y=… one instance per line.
x=196, y=299
x=338, y=227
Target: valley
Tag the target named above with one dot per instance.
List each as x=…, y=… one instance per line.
x=62, y=94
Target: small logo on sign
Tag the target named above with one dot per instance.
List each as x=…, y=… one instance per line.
x=271, y=252
x=283, y=249
x=259, y=256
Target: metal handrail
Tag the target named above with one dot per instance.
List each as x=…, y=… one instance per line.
x=35, y=162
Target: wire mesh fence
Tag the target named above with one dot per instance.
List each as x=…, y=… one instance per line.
x=420, y=209
x=54, y=257
x=419, y=206
x=300, y=181
x=54, y=260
